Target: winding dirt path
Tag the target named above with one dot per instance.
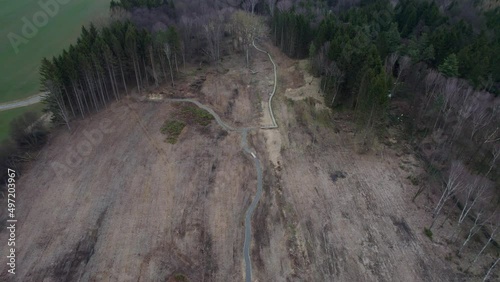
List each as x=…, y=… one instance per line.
x=251, y=153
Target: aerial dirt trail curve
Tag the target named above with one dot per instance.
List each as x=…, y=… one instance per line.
x=251, y=153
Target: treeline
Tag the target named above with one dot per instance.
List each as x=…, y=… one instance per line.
x=345, y=50
x=433, y=38
x=98, y=68
x=413, y=28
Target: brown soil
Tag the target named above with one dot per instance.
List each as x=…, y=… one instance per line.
x=138, y=208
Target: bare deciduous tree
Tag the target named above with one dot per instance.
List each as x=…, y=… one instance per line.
x=453, y=185
x=493, y=135
x=168, y=52
x=390, y=64
x=56, y=94
x=335, y=76
x=478, y=223
x=246, y=28
x=481, y=117
x=491, y=269
x=249, y=5
x=214, y=31
x=271, y=4
x=464, y=110
x=284, y=5
x=474, y=191
x=433, y=84
x=496, y=154
x=494, y=230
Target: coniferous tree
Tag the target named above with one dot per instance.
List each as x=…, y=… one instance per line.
x=450, y=66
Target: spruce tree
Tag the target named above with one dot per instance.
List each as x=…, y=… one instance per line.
x=450, y=66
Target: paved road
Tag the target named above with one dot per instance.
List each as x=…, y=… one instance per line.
x=251, y=208
x=22, y=103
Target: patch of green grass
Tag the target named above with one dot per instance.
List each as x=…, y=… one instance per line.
x=200, y=116
x=172, y=128
x=7, y=116
x=428, y=233
x=180, y=277
x=19, y=76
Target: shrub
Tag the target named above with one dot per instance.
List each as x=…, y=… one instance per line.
x=172, y=128
x=428, y=233
x=414, y=180
x=28, y=132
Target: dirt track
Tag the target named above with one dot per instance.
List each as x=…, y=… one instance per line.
x=249, y=212
x=22, y=103
x=139, y=209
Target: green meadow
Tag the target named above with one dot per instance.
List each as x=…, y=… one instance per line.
x=19, y=71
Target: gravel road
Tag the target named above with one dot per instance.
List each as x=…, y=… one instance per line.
x=22, y=103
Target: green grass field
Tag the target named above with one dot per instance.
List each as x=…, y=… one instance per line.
x=7, y=116
x=19, y=72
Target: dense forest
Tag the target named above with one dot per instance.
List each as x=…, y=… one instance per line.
x=96, y=70
x=374, y=54
x=421, y=67
x=431, y=68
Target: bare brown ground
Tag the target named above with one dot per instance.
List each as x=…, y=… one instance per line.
x=140, y=209
x=342, y=216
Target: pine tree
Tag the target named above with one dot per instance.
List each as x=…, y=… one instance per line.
x=450, y=66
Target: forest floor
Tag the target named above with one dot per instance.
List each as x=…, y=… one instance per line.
x=135, y=207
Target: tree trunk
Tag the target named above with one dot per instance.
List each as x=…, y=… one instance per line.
x=78, y=99
x=171, y=71
x=485, y=246
x=490, y=269
x=84, y=96
x=162, y=65
x=69, y=101
x=176, y=67
x=123, y=76
x=145, y=72
x=111, y=77
x=155, y=76
x=92, y=92
x=136, y=75
x=247, y=56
